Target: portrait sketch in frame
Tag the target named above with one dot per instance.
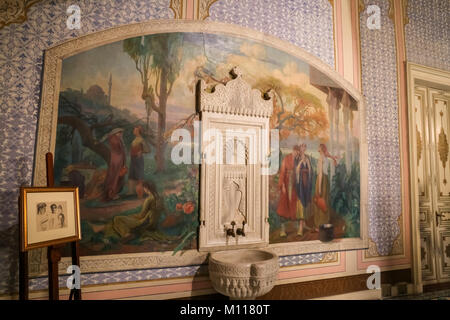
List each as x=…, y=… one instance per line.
x=49, y=216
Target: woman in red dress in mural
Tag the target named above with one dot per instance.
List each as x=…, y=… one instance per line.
x=114, y=180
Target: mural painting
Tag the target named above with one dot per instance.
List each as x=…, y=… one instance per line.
x=120, y=103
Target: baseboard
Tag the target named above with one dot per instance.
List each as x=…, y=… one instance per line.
x=358, y=295
x=181, y=288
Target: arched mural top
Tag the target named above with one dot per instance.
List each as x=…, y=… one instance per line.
x=95, y=39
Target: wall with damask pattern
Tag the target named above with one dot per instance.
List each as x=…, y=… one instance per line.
x=428, y=33
x=379, y=86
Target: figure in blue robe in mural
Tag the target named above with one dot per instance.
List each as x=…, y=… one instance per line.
x=303, y=172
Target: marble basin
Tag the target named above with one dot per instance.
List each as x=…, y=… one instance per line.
x=243, y=274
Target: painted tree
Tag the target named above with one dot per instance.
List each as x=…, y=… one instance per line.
x=158, y=61
x=91, y=126
x=295, y=110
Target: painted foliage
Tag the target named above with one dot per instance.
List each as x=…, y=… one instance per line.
x=120, y=103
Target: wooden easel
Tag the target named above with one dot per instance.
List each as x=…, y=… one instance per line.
x=53, y=255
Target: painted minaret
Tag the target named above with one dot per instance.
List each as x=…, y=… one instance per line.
x=109, y=89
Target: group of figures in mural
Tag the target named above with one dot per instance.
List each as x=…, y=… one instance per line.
x=116, y=145
x=297, y=199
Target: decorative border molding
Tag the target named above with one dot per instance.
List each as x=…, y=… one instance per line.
x=357, y=6
x=400, y=49
x=404, y=4
x=94, y=287
x=338, y=36
x=405, y=12
x=48, y=122
x=139, y=262
x=177, y=8
x=361, y=6
x=391, y=10
x=203, y=8
x=14, y=11
x=191, y=9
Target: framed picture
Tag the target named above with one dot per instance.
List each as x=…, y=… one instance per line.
x=48, y=216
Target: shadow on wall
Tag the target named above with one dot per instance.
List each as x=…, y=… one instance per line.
x=9, y=237
x=200, y=281
x=9, y=254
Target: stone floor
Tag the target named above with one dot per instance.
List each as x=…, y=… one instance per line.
x=436, y=295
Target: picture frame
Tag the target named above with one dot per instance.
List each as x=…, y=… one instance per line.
x=48, y=216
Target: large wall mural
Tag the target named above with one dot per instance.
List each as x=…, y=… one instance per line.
x=109, y=114
x=120, y=103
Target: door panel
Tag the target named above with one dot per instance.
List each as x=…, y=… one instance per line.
x=444, y=266
x=423, y=179
x=440, y=103
x=427, y=256
x=432, y=120
x=441, y=128
x=425, y=218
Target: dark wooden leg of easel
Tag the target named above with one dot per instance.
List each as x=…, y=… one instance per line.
x=76, y=261
x=53, y=253
x=23, y=262
x=23, y=275
x=54, y=256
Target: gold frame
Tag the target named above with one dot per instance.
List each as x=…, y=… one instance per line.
x=24, y=191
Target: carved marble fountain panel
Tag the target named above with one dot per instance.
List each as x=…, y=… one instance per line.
x=234, y=190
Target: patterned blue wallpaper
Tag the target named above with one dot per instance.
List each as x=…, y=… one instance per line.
x=307, y=24
x=428, y=33
x=379, y=86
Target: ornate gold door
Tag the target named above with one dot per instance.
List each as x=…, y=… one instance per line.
x=431, y=108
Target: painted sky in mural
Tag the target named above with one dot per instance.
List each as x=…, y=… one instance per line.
x=119, y=104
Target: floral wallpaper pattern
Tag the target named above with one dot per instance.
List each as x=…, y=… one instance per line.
x=428, y=33
x=379, y=86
